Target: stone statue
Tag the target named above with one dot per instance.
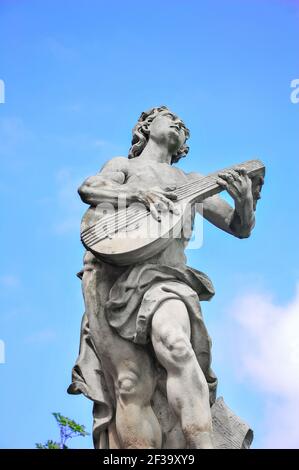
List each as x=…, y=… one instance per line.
x=145, y=353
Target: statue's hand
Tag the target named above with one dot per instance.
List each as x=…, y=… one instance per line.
x=158, y=200
x=257, y=184
x=237, y=183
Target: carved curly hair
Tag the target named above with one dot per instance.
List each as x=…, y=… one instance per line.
x=141, y=134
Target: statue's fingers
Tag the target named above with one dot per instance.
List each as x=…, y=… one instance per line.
x=225, y=175
x=164, y=201
x=241, y=170
x=155, y=212
x=161, y=206
x=150, y=198
x=171, y=187
x=152, y=207
x=249, y=181
x=229, y=178
x=235, y=175
x=168, y=203
x=222, y=182
x=170, y=195
x=172, y=207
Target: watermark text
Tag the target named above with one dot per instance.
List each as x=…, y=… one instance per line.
x=2, y=352
x=295, y=93
x=2, y=91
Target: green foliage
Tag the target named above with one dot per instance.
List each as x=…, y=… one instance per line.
x=68, y=429
x=71, y=424
x=48, y=445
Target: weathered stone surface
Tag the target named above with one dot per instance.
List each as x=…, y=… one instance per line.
x=145, y=353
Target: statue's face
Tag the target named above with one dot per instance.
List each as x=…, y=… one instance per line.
x=168, y=129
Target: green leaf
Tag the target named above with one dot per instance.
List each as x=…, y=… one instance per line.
x=71, y=424
x=48, y=445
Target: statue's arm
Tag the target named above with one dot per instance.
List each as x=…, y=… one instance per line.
x=108, y=185
x=240, y=220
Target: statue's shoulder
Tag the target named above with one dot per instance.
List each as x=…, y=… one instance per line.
x=118, y=163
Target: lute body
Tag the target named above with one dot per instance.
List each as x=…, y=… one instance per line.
x=131, y=234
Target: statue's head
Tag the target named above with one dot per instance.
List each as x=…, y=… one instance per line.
x=163, y=126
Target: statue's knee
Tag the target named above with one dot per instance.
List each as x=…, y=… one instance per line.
x=90, y=262
x=127, y=385
x=178, y=347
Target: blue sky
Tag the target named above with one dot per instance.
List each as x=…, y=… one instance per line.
x=77, y=75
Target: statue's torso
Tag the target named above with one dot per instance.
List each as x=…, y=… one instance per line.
x=150, y=174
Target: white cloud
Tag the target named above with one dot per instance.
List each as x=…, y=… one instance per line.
x=267, y=354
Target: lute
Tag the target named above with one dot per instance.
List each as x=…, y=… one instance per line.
x=130, y=235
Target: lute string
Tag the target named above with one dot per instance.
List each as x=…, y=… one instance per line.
x=116, y=221
x=116, y=224
x=106, y=221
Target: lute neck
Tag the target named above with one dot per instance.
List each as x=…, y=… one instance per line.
x=206, y=186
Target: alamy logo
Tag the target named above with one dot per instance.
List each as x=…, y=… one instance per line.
x=2, y=92
x=295, y=93
x=2, y=352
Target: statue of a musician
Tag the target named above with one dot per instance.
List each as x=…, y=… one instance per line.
x=145, y=353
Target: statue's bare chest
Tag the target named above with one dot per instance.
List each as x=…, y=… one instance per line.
x=150, y=174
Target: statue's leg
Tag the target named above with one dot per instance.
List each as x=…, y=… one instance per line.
x=187, y=389
x=137, y=425
x=128, y=366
